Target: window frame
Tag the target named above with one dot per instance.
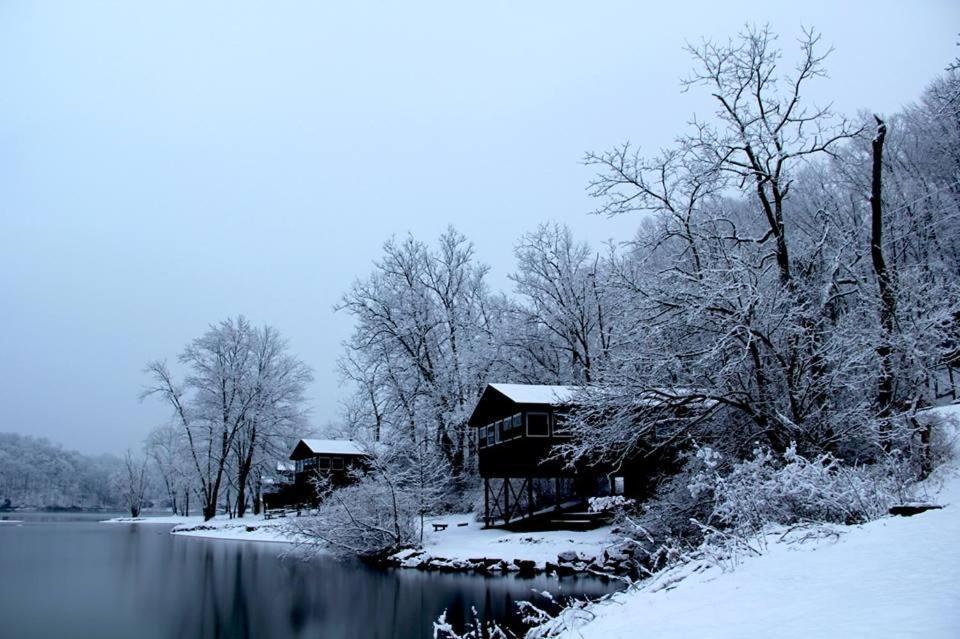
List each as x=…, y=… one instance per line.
x=546, y=416
x=337, y=463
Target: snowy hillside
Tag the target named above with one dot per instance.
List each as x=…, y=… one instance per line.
x=895, y=577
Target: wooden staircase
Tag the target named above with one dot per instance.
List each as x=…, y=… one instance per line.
x=568, y=516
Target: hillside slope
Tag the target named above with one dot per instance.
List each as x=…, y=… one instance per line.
x=895, y=577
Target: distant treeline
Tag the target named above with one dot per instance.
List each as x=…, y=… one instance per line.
x=35, y=473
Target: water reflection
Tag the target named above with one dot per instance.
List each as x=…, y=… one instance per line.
x=84, y=579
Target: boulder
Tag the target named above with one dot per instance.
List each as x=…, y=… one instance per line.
x=568, y=556
x=909, y=510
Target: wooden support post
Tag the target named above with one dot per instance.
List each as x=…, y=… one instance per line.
x=506, y=500
x=486, y=502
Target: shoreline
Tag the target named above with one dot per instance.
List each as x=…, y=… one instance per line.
x=463, y=546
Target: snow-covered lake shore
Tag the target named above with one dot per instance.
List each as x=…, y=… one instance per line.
x=249, y=528
x=456, y=547
x=464, y=545
x=893, y=577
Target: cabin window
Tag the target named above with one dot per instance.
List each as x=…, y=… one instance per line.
x=512, y=426
x=498, y=427
x=323, y=463
x=482, y=437
x=299, y=465
x=310, y=462
x=491, y=435
x=538, y=424
x=336, y=463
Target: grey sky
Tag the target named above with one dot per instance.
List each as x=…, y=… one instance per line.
x=164, y=167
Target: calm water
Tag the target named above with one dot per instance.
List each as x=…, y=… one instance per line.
x=70, y=576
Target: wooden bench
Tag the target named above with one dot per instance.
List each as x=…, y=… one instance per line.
x=439, y=527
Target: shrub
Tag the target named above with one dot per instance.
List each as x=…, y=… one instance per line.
x=370, y=519
x=789, y=489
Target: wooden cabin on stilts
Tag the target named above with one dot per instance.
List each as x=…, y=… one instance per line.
x=517, y=428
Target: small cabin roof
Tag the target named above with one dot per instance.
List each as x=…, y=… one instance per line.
x=496, y=397
x=310, y=447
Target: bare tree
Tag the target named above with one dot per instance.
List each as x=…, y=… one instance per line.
x=165, y=448
x=241, y=392
x=561, y=282
x=133, y=483
x=423, y=344
x=277, y=415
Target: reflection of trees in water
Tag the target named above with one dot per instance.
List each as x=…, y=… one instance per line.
x=140, y=581
x=209, y=589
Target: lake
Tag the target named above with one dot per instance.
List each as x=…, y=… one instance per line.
x=71, y=576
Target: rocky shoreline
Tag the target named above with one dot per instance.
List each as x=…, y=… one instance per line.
x=614, y=562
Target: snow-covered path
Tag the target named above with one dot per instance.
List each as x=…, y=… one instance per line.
x=895, y=577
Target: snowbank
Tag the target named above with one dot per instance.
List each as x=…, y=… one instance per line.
x=249, y=528
x=894, y=577
x=465, y=545
x=150, y=519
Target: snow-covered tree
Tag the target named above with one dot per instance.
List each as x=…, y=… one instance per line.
x=241, y=396
x=422, y=346
x=132, y=482
x=166, y=448
x=562, y=288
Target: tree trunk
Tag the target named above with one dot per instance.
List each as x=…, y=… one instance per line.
x=242, y=496
x=257, y=495
x=887, y=299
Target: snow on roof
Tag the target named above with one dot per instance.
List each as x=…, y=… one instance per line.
x=333, y=446
x=537, y=393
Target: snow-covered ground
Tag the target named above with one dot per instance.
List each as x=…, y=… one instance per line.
x=473, y=541
x=250, y=528
x=152, y=519
x=895, y=577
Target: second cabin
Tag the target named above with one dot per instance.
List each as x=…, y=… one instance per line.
x=332, y=459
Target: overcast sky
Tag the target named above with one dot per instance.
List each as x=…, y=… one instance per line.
x=163, y=168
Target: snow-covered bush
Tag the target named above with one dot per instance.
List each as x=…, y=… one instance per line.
x=789, y=489
x=370, y=519
x=476, y=629
x=611, y=504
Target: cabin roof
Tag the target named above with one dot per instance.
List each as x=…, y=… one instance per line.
x=528, y=395
x=307, y=447
x=537, y=393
